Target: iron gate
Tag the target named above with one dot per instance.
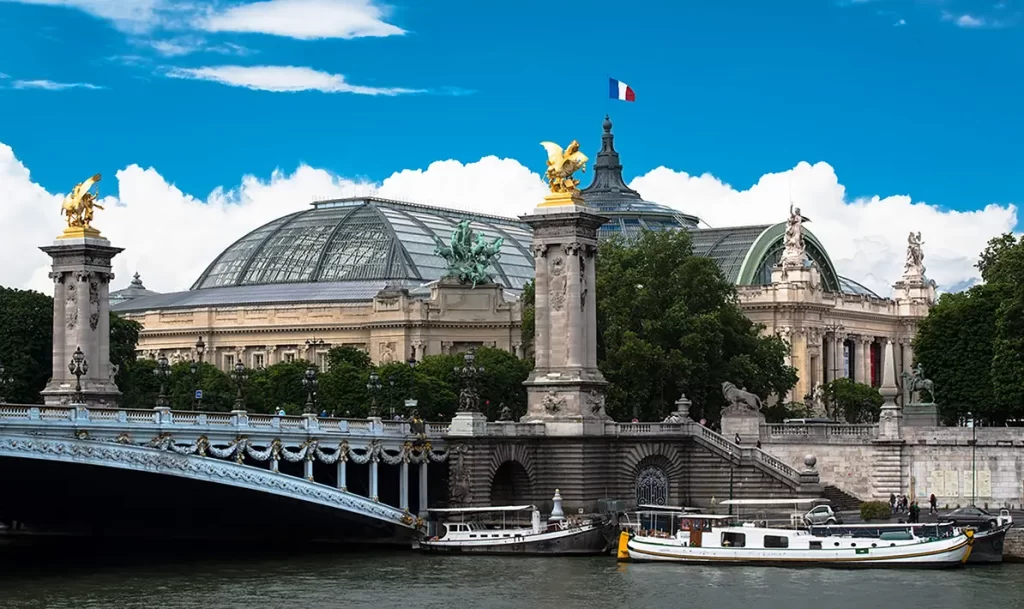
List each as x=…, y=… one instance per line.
x=652, y=486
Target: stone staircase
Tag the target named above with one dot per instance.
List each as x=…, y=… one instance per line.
x=840, y=500
x=887, y=474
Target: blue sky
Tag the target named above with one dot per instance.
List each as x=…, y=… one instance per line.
x=899, y=96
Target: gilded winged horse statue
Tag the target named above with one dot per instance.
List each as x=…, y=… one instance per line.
x=562, y=164
x=79, y=204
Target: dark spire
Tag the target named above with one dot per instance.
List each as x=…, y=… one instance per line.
x=608, y=170
x=137, y=282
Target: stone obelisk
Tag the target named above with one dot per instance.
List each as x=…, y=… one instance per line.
x=565, y=390
x=81, y=309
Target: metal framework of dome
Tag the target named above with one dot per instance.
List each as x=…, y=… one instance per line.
x=359, y=239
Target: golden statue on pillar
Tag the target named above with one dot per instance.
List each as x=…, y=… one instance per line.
x=78, y=208
x=562, y=164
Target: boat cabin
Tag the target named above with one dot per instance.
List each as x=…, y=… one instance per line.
x=483, y=522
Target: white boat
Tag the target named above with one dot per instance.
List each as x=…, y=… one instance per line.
x=665, y=536
x=498, y=530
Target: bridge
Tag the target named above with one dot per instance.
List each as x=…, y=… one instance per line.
x=356, y=469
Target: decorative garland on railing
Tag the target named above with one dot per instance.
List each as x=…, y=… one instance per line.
x=310, y=450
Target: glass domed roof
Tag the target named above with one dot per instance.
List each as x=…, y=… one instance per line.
x=628, y=213
x=359, y=239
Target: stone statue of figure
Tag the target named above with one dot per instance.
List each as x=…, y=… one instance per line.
x=914, y=266
x=793, y=243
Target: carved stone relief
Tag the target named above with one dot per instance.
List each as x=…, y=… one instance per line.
x=596, y=401
x=71, y=305
x=94, y=304
x=557, y=284
x=553, y=403
x=583, y=282
x=387, y=353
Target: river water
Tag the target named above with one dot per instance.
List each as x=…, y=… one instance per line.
x=166, y=578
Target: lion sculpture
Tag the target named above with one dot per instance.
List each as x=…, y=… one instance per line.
x=740, y=398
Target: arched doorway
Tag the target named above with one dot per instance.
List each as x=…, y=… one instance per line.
x=651, y=483
x=511, y=484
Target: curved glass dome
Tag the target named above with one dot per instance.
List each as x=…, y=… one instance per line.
x=628, y=213
x=360, y=239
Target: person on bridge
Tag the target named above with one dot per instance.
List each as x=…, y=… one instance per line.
x=933, y=504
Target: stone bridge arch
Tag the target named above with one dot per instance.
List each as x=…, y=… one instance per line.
x=511, y=475
x=653, y=473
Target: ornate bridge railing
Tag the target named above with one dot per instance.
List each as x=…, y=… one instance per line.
x=230, y=448
x=832, y=433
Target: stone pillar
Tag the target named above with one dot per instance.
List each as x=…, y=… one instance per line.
x=403, y=485
x=424, y=503
x=862, y=360
x=565, y=390
x=890, y=420
x=81, y=317
x=308, y=466
x=373, y=478
x=343, y=473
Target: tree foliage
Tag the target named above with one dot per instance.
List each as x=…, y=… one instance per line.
x=668, y=323
x=972, y=343
x=857, y=402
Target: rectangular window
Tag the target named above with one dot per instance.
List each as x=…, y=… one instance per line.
x=257, y=360
x=734, y=540
x=322, y=361
x=229, y=362
x=776, y=541
x=815, y=545
x=289, y=357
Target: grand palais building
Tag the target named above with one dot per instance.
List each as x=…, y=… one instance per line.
x=362, y=272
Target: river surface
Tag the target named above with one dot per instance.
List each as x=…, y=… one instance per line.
x=382, y=580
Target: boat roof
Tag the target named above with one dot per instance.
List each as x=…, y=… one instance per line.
x=688, y=515
x=496, y=508
x=794, y=501
x=882, y=525
x=667, y=508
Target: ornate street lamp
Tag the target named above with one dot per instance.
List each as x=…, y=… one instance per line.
x=391, y=395
x=835, y=328
x=311, y=346
x=78, y=367
x=310, y=383
x=373, y=388
x=241, y=375
x=197, y=374
x=162, y=372
x=974, y=453
x=411, y=403
x=5, y=384
x=469, y=399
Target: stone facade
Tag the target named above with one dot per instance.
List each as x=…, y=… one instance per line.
x=394, y=326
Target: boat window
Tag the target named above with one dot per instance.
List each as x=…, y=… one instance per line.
x=776, y=541
x=734, y=540
x=815, y=545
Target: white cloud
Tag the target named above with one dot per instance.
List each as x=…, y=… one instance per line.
x=281, y=79
x=127, y=15
x=2, y=75
x=900, y=23
x=185, y=45
x=969, y=21
x=49, y=85
x=866, y=237
x=170, y=236
x=973, y=22
x=303, y=19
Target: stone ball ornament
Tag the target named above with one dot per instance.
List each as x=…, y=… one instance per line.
x=810, y=460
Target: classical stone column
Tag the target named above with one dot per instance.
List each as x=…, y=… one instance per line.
x=424, y=503
x=343, y=472
x=862, y=360
x=403, y=485
x=81, y=316
x=890, y=420
x=565, y=388
x=373, y=478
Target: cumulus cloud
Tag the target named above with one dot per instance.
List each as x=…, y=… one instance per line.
x=282, y=79
x=170, y=236
x=127, y=15
x=303, y=19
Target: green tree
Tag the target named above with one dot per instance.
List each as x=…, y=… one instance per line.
x=858, y=403
x=529, y=312
x=972, y=343
x=343, y=385
x=669, y=323
x=278, y=386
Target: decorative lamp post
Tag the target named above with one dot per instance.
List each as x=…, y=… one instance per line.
x=391, y=395
x=311, y=346
x=411, y=403
x=974, y=453
x=78, y=367
x=835, y=328
x=469, y=399
x=197, y=374
x=162, y=372
x=373, y=388
x=241, y=375
x=5, y=384
x=310, y=383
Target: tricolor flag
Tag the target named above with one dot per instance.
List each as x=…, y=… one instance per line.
x=620, y=90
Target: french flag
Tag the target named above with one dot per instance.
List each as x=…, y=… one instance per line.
x=620, y=90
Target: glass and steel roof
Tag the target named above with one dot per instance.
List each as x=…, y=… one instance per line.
x=362, y=239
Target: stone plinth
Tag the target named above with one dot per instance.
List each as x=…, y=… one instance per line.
x=565, y=390
x=743, y=421
x=920, y=415
x=81, y=319
x=468, y=424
